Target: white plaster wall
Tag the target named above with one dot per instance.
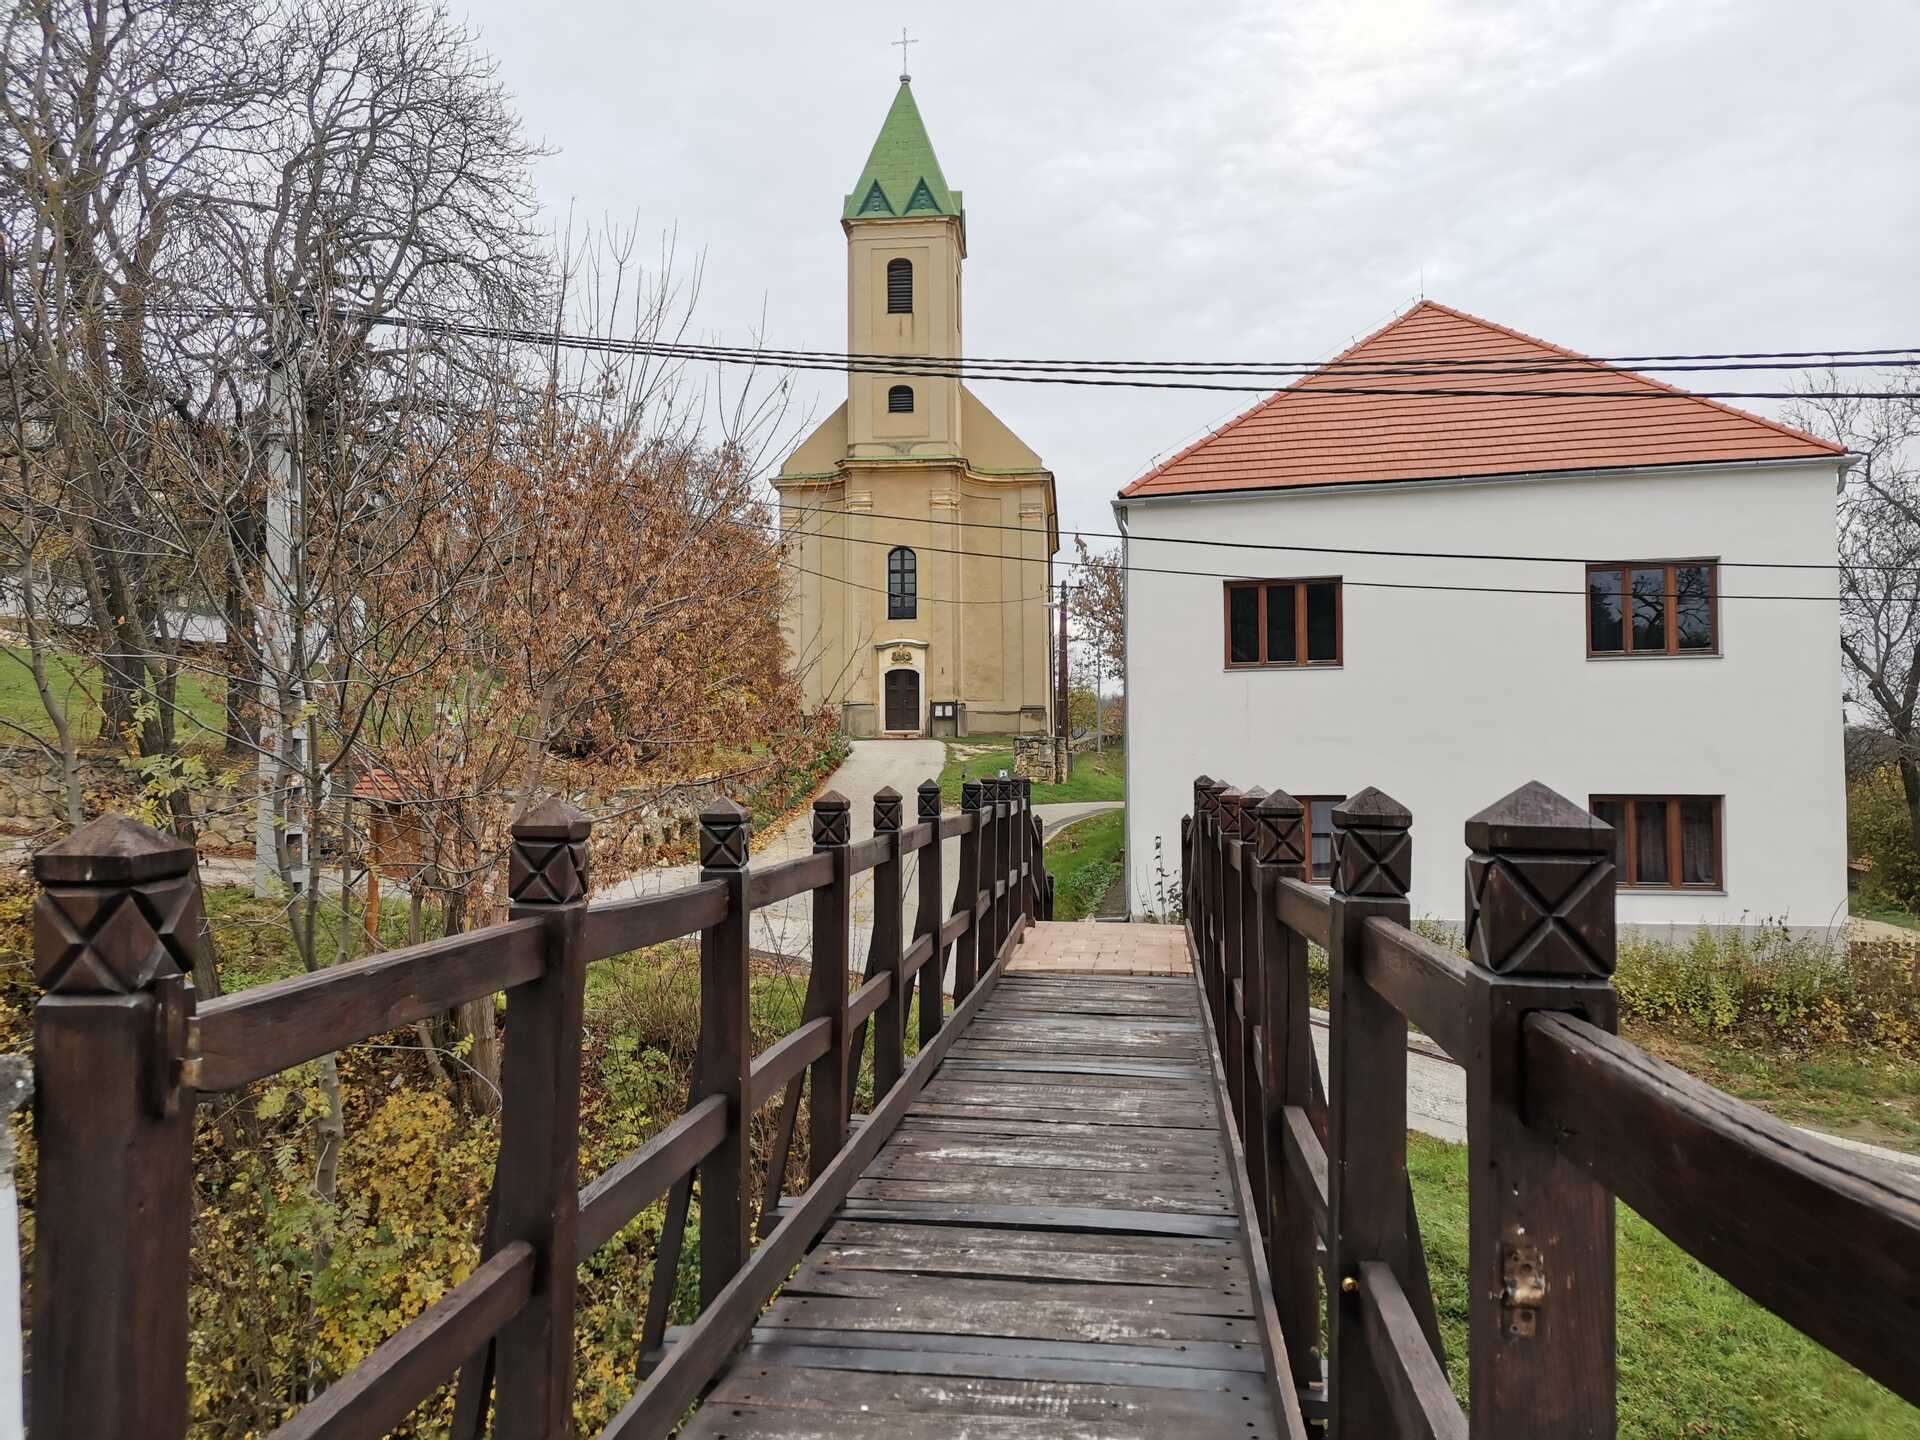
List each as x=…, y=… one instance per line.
x=1447, y=701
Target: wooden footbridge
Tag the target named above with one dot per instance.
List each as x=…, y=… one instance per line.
x=1111, y=1194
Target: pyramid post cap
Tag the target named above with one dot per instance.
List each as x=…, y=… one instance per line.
x=832, y=800
x=929, y=785
x=1372, y=809
x=113, y=850
x=553, y=818
x=1537, y=817
x=1280, y=803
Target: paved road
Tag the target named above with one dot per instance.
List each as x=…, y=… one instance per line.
x=787, y=928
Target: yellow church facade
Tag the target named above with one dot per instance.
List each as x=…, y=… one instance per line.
x=920, y=529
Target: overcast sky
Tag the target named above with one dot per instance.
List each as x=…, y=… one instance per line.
x=1259, y=181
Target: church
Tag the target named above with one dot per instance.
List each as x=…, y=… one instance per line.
x=921, y=530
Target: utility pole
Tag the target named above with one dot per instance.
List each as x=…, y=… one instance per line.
x=277, y=819
x=1061, y=729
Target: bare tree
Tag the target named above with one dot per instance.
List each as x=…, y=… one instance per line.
x=1879, y=519
x=1097, y=607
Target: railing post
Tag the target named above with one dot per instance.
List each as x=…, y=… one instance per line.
x=725, y=1060
x=931, y=908
x=1203, y=906
x=966, y=899
x=1255, y=1077
x=1280, y=852
x=1193, y=871
x=116, y=927
x=830, y=1093
x=1225, y=1020
x=1367, y=1093
x=1540, y=1232
x=890, y=1020
x=1024, y=845
x=1003, y=861
x=537, y=1183
x=1216, y=860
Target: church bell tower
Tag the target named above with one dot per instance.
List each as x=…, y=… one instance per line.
x=906, y=241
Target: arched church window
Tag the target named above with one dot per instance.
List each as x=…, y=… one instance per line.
x=899, y=287
x=900, y=400
x=903, y=584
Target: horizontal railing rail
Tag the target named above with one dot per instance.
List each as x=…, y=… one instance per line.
x=121, y=1055
x=1562, y=1117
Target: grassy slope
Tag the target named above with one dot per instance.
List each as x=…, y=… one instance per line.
x=1864, y=908
x=76, y=682
x=1843, y=1090
x=1084, y=860
x=1095, y=777
x=1696, y=1357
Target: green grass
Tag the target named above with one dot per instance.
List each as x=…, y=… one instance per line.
x=1844, y=1090
x=1862, y=907
x=1095, y=776
x=75, y=682
x=1084, y=861
x=1697, y=1358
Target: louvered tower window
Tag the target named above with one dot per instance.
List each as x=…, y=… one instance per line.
x=900, y=400
x=903, y=584
x=899, y=287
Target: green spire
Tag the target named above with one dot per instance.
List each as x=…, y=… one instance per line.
x=902, y=177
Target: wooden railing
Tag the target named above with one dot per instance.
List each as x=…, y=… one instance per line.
x=1562, y=1116
x=120, y=1055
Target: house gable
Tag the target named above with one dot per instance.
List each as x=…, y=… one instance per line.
x=1314, y=434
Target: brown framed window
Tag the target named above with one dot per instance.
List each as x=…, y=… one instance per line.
x=1653, y=607
x=1275, y=624
x=1665, y=842
x=1319, y=818
x=903, y=584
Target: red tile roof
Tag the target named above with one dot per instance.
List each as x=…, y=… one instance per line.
x=1294, y=439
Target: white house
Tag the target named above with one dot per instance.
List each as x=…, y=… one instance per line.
x=1448, y=595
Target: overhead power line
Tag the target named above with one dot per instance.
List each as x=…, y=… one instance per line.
x=1481, y=555
x=1184, y=375
x=1230, y=574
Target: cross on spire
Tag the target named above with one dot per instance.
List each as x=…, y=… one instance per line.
x=903, y=42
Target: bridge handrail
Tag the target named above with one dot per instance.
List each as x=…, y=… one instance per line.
x=120, y=1056
x=1562, y=1116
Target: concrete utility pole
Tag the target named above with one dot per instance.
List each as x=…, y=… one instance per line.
x=276, y=819
x=1061, y=725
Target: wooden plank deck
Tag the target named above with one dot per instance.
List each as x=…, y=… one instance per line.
x=1048, y=1246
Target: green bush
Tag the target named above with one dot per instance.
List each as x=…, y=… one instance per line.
x=1880, y=831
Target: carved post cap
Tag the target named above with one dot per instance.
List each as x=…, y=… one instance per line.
x=1226, y=808
x=1210, y=793
x=725, y=832
x=832, y=819
x=118, y=909
x=1250, y=799
x=886, y=809
x=1280, y=831
x=929, y=794
x=112, y=850
x=1372, y=846
x=1540, y=885
x=970, y=798
x=547, y=864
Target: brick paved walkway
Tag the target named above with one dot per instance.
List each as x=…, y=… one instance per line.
x=1056, y=947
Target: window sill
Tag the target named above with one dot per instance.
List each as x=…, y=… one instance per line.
x=1660, y=655
x=1283, y=669
x=1677, y=891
